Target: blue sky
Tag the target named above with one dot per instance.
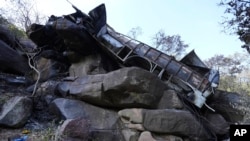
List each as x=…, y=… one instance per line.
x=196, y=21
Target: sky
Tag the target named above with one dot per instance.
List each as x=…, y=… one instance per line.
x=196, y=21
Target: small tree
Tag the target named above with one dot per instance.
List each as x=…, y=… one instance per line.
x=230, y=67
x=25, y=11
x=135, y=32
x=171, y=45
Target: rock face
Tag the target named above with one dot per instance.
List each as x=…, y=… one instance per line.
x=126, y=87
x=103, y=124
x=86, y=66
x=71, y=109
x=170, y=100
x=16, y=112
x=132, y=118
x=230, y=105
x=74, y=129
x=146, y=136
x=217, y=124
x=11, y=61
x=174, y=122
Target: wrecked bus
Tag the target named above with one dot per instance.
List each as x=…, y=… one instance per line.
x=80, y=29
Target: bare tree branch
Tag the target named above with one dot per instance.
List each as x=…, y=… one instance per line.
x=25, y=11
x=171, y=45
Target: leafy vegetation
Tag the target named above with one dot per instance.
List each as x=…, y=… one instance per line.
x=18, y=32
x=237, y=19
x=234, y=72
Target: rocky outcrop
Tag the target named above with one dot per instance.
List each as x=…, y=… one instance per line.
x=86, y=66
x=217, y=123
x=11, y=61
x=230, y=105
x=174, y=122
x=74, y=129
x=71, y=109
x=137, y=106
x=170, y=100
x=101, y=100
x=16, y=112
x=146, y=136
x=102, y=122
x=126, y=87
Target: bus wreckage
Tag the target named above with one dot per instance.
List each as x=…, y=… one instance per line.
x=86, y=31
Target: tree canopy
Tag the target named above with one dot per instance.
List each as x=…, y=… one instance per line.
x=237, y=19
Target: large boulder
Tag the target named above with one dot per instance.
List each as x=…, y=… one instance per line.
x=51, y=66
x=88, y=88
x=132, y=118
x=130, y=134
x=133, y=87
x=11, y=61
x=87, y=65
x=133, y=115
x=77, y=129
x=123, y=88
x=170, y=100
x=146, y=136
x=230, y=105
x=104, y=125
x=7, y=36
x=15, y=112
x=217, y=124
x=99, y=118
x=174, y=122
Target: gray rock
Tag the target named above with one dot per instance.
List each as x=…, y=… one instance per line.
x=133, y=115
x=11, y=61
x=146, y=136
x=99, y=118
x=27, y=44
x=15, y=112
x=174, y=122
x=130, y=135
x=137, y=126
x=87, y=65
x=74, y=128
x=48, y=68
x=104, y=124
x=170, y=100
x=167, y=138
x=123, y=88
x=87, y=88
x=217, y=124
x=133, y=87
x=231, y=106
x=132, y=118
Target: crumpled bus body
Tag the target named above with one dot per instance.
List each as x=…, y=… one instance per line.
x=84, y=33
